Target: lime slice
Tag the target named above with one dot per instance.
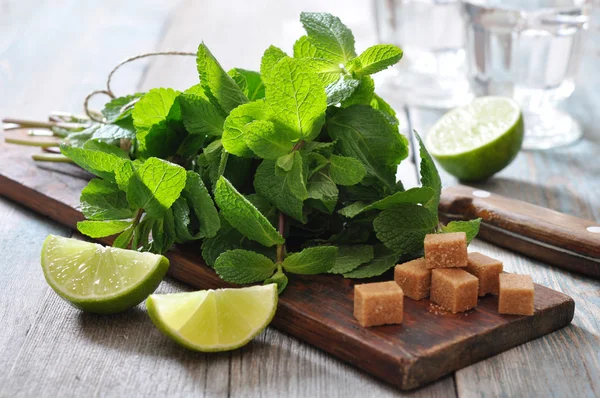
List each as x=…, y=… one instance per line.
x=475, y=141
x=214, y=320
x=100, y=279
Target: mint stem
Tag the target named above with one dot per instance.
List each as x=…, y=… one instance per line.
x=19, y=141
x=51, y=157
x=281, y=229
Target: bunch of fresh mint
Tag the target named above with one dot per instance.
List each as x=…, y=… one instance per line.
x=290, y=170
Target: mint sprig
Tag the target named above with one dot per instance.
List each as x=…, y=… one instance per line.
x=287, y=170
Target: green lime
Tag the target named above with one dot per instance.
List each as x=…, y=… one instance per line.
x=475, y=141
x=100, y=279
x=214, y=320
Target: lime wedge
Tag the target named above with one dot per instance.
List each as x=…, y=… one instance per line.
x=475, y=141
x=214, y=320
x=100, y=279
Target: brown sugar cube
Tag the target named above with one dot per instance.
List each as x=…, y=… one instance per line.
x=454, y=289
x=446, y=250
x=516, y=294
x=378, y=303
x=487, y=270
x=414, y=278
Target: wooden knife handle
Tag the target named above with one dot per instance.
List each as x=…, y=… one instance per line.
x=555, y=238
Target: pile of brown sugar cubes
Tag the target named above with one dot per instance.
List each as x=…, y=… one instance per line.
x=450, y=276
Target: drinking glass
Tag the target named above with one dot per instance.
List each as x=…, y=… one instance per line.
x=431, y=34
x=528, y=50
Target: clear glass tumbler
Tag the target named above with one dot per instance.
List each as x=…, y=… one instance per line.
x=431, y=34
x=528, y=50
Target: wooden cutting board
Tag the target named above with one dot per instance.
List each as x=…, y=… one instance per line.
x=318, y=309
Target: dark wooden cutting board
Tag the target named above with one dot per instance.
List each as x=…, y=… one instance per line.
x=318, y=309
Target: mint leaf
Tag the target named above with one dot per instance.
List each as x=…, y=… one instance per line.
x=122, y=241
x=375, y=59
x=275, y=189
x=155, y=185
x=243, y=266
x=327, y=71
x=346, y=171
x=199, y=200
x=100, y=229
x=250, y=82
x=181, y=219
x=470, y=227
x=266, y=141
x=384, y=260
x=414, y=195
x=341, y=90
x=296, y=177
x=227, y=238
x=332, y=39
x=100, y=146
x=429, y=176
x=363, y=93
x=286, y=162
x=364, y=134
x=234, y=132
x=217, y=82
x=243, y=216
x=163, y=233
x=403, y=228
x=280, y=278
x=304, y=49
x=200, y=116
x=350, y=257
x=156, y=106
x=322, y=188
x=103, y=200
x=296, y=97
x=119, y=108
x=311, y=261
x=141, y=234
x=98, y=163
x=114, y=132
x=378, y=103
x=269, y=59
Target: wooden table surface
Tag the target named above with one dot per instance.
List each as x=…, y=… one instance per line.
x=53, y=52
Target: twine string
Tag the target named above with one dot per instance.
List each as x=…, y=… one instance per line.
x=108, y=92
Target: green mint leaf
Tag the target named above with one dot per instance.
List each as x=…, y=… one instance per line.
x=364, y=134
x=122, y=241
x=243, y=266
x=190, y=146
x=217, y=82
x=155, y=185
x=329, y=72
x=163, y=233
x=119, y=108
x=141, y=234
x=403, y=228
x=269, y=59
x=124, y=173
x=199, y=200
x=103, y=200
x=266, y=140
x=286, y=162
x=280, y=278
x=114, y=132
x=227, y=238
x=350, y=257
x=296, y=97
x=100, y=229
x=208, y=162
x=322, y=188
x=200, y=116
x=311, y=261
x=470, y=227
x=332, y=39
x=156, y=106
x=304, y=49
x=378, y=103
x=296, y=177
x=429, y=177
x=100, y=146
x=344, y=170
x=384, y=260
x=375, y=59
x=250, y=82
x=316, y=162
x=414, y=195
x=181, y=218
x=99, y=163
x=235, y=127
x=363, y=93
x=244, y=216
x=340, y=90
x=275, y=189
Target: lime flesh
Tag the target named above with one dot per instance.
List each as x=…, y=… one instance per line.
x=214, y=320
x=475, y=141
x=100, y=279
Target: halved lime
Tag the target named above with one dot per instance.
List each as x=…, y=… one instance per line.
x=214, y=320
x=475, y=141
x=100, y=279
